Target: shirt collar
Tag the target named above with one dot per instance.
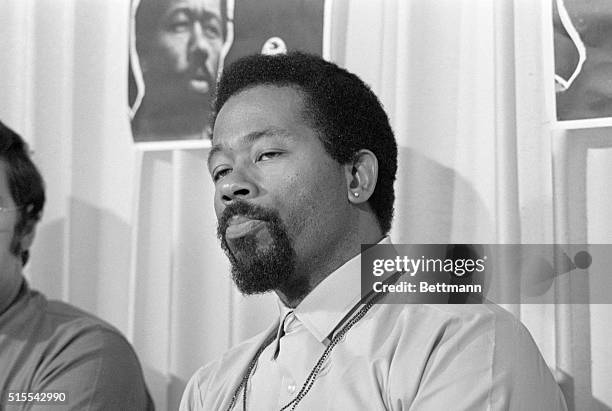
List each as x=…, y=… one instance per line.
x=283, y=311
x=330, y=300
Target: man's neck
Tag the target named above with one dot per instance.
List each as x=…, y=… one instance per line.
x=10, y=283
x=366, y=234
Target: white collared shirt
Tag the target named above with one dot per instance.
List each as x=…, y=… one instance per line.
x=397, y=357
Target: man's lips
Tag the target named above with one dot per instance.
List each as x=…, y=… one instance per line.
x=200, y=85
x=200, y=81
x=240, y=226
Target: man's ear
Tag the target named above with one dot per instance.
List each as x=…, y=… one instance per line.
x=27, y=235
x=361, y=176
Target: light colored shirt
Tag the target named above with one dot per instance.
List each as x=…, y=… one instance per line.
x=52, y=346
x=397, y=357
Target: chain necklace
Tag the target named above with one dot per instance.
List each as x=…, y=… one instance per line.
x=371, y=299
x=315, y=370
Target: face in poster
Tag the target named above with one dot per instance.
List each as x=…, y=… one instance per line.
x=178, y=49
x=583, y=58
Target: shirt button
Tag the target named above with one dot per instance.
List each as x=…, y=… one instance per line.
x=291, y=388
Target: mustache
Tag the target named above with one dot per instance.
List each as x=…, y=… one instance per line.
x=248, y=210
x=197, y=63
x=201, y=71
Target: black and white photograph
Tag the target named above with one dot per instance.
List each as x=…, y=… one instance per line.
x=305, y=205
x=583, y=58
x=178, y=49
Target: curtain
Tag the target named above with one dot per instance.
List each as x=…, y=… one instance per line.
x=130, y=235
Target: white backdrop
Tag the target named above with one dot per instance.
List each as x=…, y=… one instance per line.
x=468, y=85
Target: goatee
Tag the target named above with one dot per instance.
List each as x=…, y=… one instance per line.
x=256, y=267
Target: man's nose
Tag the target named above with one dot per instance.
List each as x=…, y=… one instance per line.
x=199, y=41
x=236, y=187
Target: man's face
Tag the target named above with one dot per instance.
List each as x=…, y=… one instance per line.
x=280, y=198
x=590, y=95
x=8, y=261
x=183, y=56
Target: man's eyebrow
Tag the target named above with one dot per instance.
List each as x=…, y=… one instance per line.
x=204, y=15
x=209, y=15
x=249, y=139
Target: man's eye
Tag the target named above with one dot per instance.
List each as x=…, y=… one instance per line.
x=180, y=27
x=212, y=30
x=218, y=174
x=268, y=155
x=179, y=23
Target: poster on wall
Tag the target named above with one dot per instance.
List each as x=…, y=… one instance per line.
x=178, y=49
x=583, y=58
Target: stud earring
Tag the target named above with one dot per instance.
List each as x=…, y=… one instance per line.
x=356, y=194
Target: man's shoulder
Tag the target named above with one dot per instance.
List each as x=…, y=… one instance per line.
x=475, y=350
x=72, y=350
x=237, y=357
x=214, y=383
x=58, y=324
x=63, y=325
x=437, y=327
x=468, y=313
x=464, y=316
x=487, y=318
x=68, y=317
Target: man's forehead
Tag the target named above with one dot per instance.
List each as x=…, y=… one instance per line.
x=251, y=137
x=208, y=6
x=263, y=102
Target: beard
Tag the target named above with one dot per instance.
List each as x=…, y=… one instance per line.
x=258, y=268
